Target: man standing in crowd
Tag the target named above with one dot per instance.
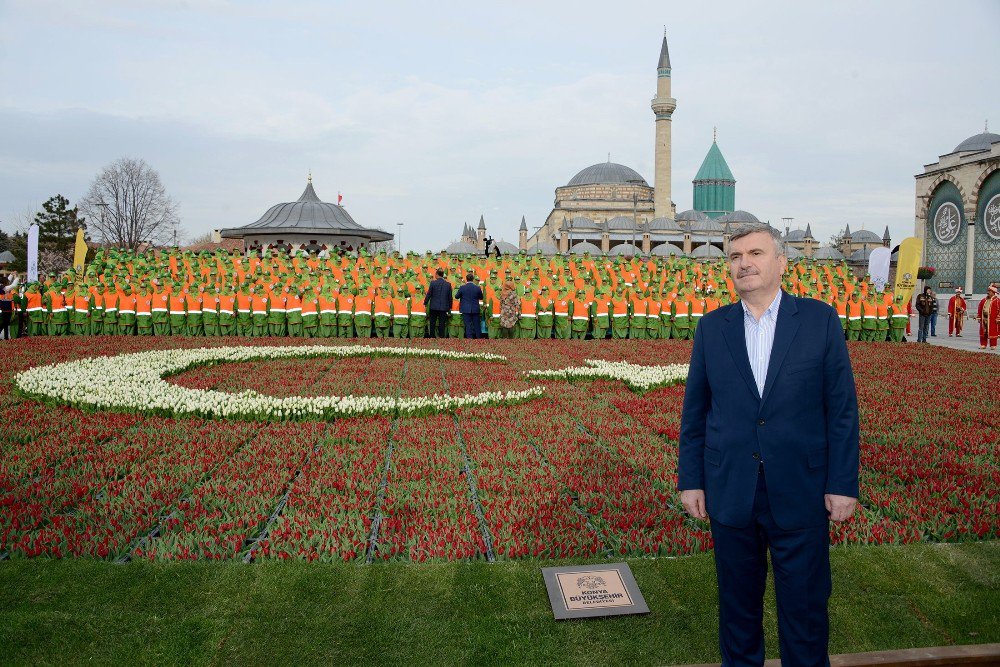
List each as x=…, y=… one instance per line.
x=469, y=295
x=925, y=307
x=769, y=451
x=956, y=313
x=438, y=303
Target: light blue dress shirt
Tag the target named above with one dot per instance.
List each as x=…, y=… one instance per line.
x=760, y=339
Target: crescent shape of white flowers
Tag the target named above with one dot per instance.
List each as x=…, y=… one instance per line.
x=638, y=378
x=135, y=383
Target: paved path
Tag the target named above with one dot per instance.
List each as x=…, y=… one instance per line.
x=968, y=341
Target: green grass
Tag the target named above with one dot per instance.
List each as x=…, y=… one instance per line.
x=473, y=613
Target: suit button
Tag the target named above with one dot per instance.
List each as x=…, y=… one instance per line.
x=760, y=423
x=756, y=456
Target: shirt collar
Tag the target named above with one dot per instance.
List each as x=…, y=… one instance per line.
x=771, y=312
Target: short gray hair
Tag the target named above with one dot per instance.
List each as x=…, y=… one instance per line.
x=753, y=228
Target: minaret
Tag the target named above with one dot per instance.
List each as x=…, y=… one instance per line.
x=663, y=108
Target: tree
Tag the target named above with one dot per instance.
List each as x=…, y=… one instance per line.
x=128, y=206
x=838, y=238
x=57, y=227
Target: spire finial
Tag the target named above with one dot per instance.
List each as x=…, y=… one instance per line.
x=715, y=134
x=310, y=177
x=664, y=29
x=986, y=129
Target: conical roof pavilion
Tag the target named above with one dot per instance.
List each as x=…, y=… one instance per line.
x=307, y=216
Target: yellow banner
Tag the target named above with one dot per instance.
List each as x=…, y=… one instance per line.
x=80, y=253
x=906, y=267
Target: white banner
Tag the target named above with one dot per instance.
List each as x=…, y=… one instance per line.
x=32, y=253
x=878, y=267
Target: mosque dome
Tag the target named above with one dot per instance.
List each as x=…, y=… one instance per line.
x=663, y=225
x=865, y=236
x=506, y=248
x=581, y=248
x=691, y=216
x=624, y=250
x=707, y=250
x=543, y=248
x=796, y=235
x=739, y=218
x=621, y=222
x=461, y=248
x=827, y=252
x=667, y=249
x=977, y=142
x=791, y=252
x=582, y=222
x=607, y=173
x=706, y=225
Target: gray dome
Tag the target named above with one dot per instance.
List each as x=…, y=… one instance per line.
x=582, y=222
x=663, y=225
x=543, y=248
x=861, y=254
x=707, y=250
x=667, y=249
x=793, y=253
x=621, y=222
x=739, y=217
x=865, y=236
x=977, y=142
x=307, y=215
x=506, y=248
x=586, y=246
x=827, y=252
x=796, y=235
x=461, y=248
x=706, y=225
x=691, y=216
x=607, y=172
x=624, y=250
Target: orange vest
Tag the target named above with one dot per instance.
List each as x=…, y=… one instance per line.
x=621, y=307
x=527, y=307
x=227, y=304
x=383, y=306
x=193, y=302
x=210, y=302
x=143, y=304
x=363, y=305
x=34, y=301
x=399, y=308
x=176, y=304
x=417, y=307
x=258, y=304
x=580, y=310
x=243, y=302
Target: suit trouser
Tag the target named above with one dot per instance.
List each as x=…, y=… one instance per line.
x=800, y=560
x=473, y=325
x=438, y=323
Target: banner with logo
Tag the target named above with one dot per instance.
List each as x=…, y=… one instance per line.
x=878, y=267
x=906, y=267
x=80, y=254
x=32, y=253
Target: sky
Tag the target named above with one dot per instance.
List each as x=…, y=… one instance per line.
x=433, y=114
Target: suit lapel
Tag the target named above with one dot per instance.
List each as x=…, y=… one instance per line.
x=784, y=333
x=735, y=335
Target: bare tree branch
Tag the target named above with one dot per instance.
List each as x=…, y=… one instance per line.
x=128, y=206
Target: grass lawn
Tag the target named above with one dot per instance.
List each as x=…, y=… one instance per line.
x=76, y=611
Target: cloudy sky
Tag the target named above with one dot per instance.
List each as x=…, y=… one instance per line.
x=432, y=114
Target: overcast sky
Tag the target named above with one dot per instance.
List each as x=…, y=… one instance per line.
x=432, y=114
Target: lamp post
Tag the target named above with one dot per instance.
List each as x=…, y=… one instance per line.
x=635, y=220
x=399, y=238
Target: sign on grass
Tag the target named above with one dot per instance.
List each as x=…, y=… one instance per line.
x=587, y=591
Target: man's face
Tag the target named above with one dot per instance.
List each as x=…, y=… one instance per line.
x=755, y=264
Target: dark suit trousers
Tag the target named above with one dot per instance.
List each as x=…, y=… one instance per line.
x=800, y=560
x=473, y=325
x=438, y=320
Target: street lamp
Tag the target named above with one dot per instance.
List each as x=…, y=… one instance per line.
x=399, y=237
x=635, y=219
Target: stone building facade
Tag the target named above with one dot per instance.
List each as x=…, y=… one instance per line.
x=957, y=214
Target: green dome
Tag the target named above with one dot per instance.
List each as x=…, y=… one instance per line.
x=714, y=168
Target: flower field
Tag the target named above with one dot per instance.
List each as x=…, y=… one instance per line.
x=585, y=467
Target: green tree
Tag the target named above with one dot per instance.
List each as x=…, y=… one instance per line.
x=57, y=225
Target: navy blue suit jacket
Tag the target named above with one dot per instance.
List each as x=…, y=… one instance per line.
x=469, y=295
x=438, y=295
x=804, y=427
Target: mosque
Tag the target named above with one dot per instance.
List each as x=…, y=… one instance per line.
x=957, y=214
x=610, y=209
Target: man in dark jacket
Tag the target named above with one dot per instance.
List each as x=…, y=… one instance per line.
x=925, y=307
x=469, y=295
x=438, y=303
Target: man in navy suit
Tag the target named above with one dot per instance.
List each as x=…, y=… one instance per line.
x=438, y=303
x=469, y=295
x=769, y=451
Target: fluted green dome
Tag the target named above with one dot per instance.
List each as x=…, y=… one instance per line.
x=714, y=167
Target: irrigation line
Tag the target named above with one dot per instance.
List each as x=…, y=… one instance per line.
x=477, y=506
x=171, y=511
x=383, y=484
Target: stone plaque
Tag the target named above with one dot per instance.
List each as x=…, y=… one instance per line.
x=586, y=591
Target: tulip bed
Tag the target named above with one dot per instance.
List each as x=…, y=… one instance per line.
x=584, y=469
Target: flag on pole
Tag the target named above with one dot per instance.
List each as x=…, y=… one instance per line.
x=33, y=253
x=340, y=198
x=80, y=253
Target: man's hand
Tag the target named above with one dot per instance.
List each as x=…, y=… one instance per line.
x=694, y=503
x=840, y=508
